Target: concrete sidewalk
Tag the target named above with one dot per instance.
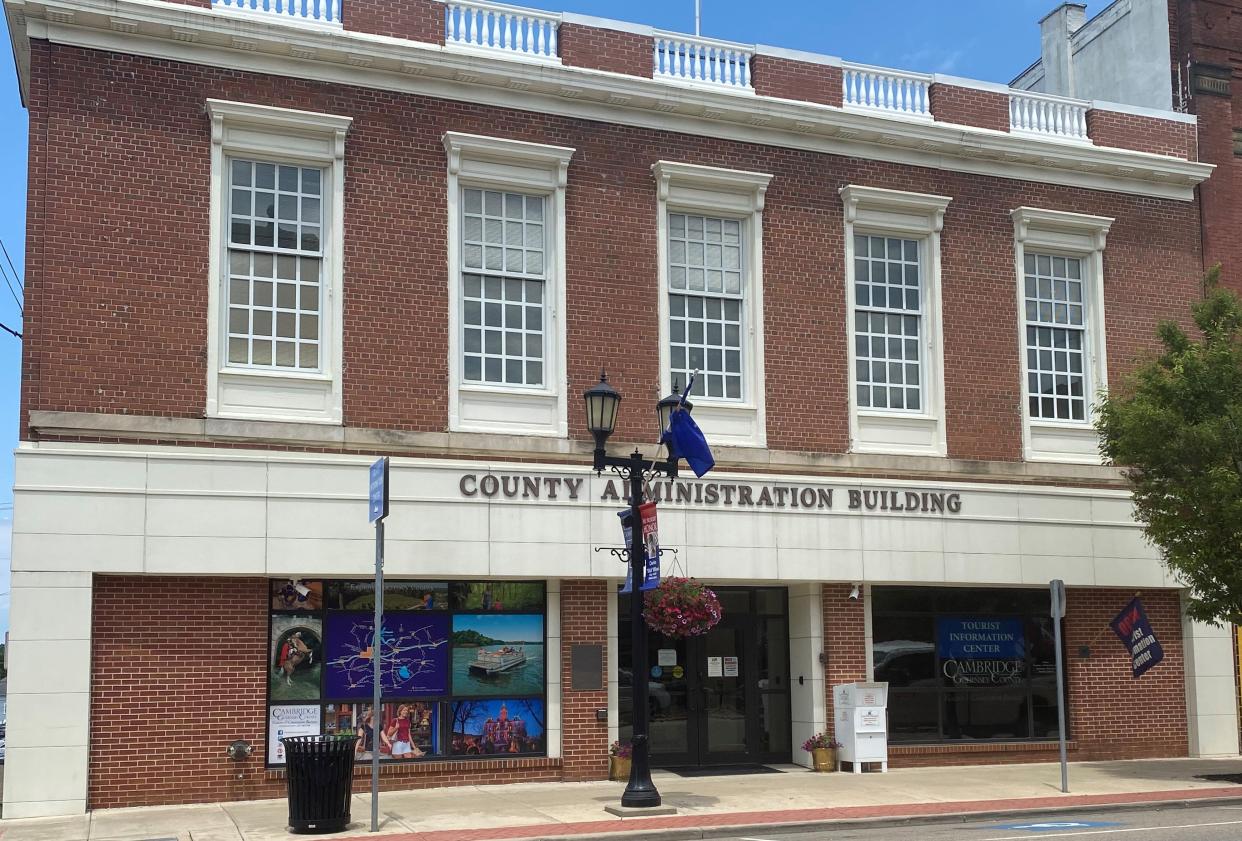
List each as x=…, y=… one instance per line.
x=705, y=804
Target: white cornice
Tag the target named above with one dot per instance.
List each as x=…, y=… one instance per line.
x=479, y=147
x=1026, y=219
x=184, y=33
x=750, y=185
x=854, y=196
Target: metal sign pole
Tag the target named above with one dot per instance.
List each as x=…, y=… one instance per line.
x=377, y=711
x=1057, y=591
x=377, y=510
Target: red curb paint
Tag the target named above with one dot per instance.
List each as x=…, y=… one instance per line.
x=896, y=810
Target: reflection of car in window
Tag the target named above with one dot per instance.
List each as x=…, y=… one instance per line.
x=905, y=663
x=658, y=698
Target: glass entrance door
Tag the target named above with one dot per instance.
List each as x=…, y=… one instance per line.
x=723, y=697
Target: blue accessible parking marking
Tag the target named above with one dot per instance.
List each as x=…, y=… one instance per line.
x=1052, y=826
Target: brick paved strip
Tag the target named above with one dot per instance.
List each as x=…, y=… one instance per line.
x=801, y=816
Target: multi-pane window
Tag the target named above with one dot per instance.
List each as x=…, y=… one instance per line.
x=275, y=263
x=706, y=282
x=888, y=312
x=1055, y=337
x=504, y=272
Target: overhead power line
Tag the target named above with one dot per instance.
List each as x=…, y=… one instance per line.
x=17, y=276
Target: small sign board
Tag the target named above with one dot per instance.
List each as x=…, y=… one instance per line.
x=715, y=667
x=666, y=656
x=378, y=506
x=730, y=667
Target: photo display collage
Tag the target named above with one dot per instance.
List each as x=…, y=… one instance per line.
x=463, y=667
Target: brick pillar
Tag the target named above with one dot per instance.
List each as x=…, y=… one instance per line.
x=845, y=642
x=788, y=79
x=969, y=106
x=584, y=620
x=606, y=49
x=416, y=20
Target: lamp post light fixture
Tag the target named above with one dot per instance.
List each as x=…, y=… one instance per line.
x=602, y=401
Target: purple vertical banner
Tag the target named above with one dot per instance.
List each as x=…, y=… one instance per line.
x=1134, y=630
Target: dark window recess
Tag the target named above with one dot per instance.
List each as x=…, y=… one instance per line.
x=965, y=664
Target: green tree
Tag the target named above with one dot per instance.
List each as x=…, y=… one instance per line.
x=1175, y=425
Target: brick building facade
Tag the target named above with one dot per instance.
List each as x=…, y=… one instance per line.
x=902, y=291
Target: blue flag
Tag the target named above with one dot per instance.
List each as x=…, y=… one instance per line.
x=685, y=439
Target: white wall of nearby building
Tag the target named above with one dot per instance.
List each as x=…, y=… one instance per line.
x=1120, y=55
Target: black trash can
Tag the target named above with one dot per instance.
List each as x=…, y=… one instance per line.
x=319, y=771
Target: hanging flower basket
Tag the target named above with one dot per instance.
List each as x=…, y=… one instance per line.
x=681, y=607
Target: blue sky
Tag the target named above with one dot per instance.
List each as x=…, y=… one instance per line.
x=506, y=627
x=980, y=39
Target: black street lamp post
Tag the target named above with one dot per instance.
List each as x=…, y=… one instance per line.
x=602, y=401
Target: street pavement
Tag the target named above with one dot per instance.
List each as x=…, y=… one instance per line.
x=1202, y=822
x=748, y=806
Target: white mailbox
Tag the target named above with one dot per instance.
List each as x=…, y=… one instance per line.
x=861, y=724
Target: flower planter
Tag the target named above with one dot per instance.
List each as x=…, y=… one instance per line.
x=619, y=768
x=681, y=607
x=825, y=759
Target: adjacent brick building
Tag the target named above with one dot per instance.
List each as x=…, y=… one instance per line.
x=265, y=248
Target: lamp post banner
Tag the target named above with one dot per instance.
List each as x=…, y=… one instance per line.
x=1134, y=630
x=651, y=545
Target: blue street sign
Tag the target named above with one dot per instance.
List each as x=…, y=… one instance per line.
x=378, y=507
x=1052, y=826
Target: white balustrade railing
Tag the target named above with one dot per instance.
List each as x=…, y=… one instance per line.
x=505, y=29
x=685, y=58
x=1054, y=116
x=304, y=11
x=886, y=90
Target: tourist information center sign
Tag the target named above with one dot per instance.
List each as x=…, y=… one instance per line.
x=1134, y=630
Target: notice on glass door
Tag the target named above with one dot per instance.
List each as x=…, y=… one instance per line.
x=666, y=656
x=730, y=667
x=715, y=666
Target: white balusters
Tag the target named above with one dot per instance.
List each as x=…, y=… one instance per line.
x=508, y=29
x=1053, y=116
x=305, y=11
x=886, y=90
x=687, y=59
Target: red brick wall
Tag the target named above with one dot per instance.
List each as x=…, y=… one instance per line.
x=415, y=20
x=606, y=49
x=1103, y=694
x=135, y=128
x=845, y=643
x=1142, y=134
x=969, y=107
x=584, y=746
x=801, y=80
x=177, y=672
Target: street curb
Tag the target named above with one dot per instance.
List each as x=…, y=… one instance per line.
x=750, y=829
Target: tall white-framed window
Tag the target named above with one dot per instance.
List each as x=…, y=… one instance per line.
x=1059, y=262
x=276, y=262
x=506, y=225
x=896, y=347
x=710, y=234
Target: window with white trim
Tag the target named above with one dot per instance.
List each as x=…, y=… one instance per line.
x=275, y=261
x=706, y=279
x=274, y=301
x=896, y=348
x=504, y=272
x=1059, y=263
x=506, y=211
x=888, y=317
x=1055, y=337
x=710, y=240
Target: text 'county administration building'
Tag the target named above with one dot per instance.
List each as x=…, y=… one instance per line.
x=270, y=240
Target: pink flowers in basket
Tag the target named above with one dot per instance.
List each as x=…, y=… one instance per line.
x=681, y=607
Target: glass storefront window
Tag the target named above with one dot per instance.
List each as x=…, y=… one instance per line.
x=975, y=664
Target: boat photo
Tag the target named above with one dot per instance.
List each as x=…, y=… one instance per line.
x=494, y=661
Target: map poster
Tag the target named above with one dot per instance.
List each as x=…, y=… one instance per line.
x=415, y=655
x=289, y=720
